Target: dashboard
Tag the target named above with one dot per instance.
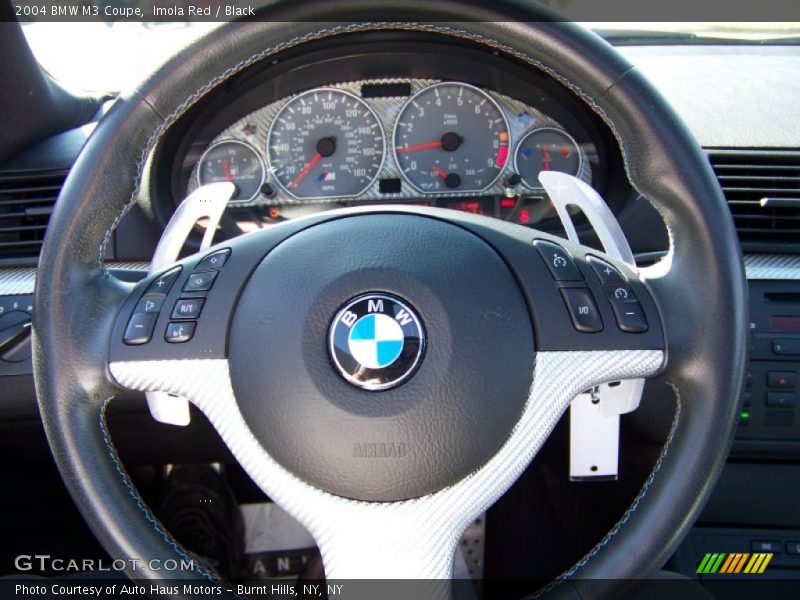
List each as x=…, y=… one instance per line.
x=411, y=140
x=389, y=122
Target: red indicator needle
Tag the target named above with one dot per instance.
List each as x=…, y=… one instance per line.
x=546, y=158
x=436, y=170
x=226, y=166
x=425, y=146
x=306, y=170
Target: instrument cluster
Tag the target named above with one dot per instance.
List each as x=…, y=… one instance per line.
x=422, y=141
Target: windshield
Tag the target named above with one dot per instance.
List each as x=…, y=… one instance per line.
x=108, y=56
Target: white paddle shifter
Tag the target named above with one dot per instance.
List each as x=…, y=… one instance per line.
x=594, y=415
x=206, y=202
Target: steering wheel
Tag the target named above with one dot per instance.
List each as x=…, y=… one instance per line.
x=385, y=374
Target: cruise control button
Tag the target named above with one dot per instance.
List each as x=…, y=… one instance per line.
x=606, y=273
x=630, y=316
x=619, y=292
x=200, y=282
x=163, y=283
x=178, y=333
x=582, y=309
x=187, y=309
x=559, y=261
x=140, y=328
x=150, y=303
x=214, y=260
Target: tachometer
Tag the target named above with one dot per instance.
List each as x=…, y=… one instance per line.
x=325, y=143
x=234, y=161
x=546, y=149
x=451, y=137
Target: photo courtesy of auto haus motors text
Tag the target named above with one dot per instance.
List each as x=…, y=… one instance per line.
x=142, y=591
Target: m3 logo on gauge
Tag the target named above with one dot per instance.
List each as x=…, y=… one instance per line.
x=451, y=137
x=325, y=143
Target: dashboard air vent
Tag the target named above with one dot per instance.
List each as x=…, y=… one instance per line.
x=26, y=202
x=763, y=191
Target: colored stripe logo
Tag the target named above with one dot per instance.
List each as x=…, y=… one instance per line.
x=734, y=563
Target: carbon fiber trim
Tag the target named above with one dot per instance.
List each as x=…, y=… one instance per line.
x=22, y=280
x=411, y=539
x=772, y=266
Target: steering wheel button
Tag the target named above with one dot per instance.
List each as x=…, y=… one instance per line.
x=215, y=260
x=606, y=273
x=559, y=261
x=187, y=309
x=180, y=332
x=619, y=292
x=200, y=282
x=140, y=328
x=630, y=316
x=582, y=309
x=150, y=303
x=164, y=282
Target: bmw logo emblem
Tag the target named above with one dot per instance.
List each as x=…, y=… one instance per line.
x=376, y=341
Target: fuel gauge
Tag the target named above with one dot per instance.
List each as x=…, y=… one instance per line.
x=546, y=149
x=234, y=161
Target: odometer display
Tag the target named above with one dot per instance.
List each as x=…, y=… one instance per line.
x=325, y=143
x=451, y=137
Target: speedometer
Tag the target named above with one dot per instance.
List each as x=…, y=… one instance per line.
x=325, y=143
x=451, y=137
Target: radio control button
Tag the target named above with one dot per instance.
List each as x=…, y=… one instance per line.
x=140, y=328
x=163, y=283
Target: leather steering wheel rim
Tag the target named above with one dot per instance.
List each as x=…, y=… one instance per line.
x=77, y=299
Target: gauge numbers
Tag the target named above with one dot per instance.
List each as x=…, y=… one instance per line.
x=451, y=137
x=236, y=162
x=325, y=143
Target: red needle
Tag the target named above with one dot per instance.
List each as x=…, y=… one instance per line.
x=226, y=166
x=546, y=158
x=425, y=146
x=436, y=170
x=302, y=174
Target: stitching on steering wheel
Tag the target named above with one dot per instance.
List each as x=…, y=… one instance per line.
x=628, y=513
x=330, y=32
x=197, y=566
